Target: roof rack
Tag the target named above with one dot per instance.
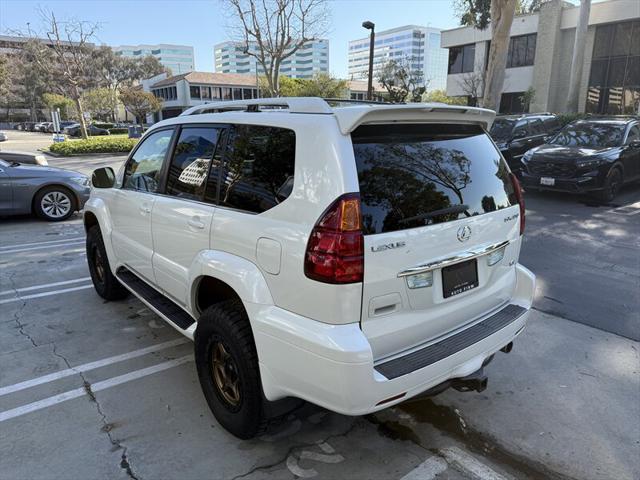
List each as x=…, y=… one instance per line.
x=359, y=102
x=292, y=104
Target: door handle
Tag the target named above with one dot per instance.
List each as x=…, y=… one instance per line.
x=144, y=209
x=196, y=223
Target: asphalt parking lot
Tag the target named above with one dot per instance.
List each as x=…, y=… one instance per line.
x=105, y=389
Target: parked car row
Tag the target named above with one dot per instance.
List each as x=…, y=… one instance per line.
x=596, y=155
x=70, y=128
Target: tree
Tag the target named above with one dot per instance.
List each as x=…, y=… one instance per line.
x=527, y=97
x=472, y=85
x=440, y=96
x=66, y=57
x=577, y=59
x=499, y=14
x=9, y=82
x=273, y=30
x=402, y=81
x=139, y=103
x=101, y=102
x=320, y=85
x=55, y=101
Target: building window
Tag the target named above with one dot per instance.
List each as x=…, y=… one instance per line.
x=226, y=93
x=237, y=94
x=195, y=91
x=461, y=59
x=522, y=51
x=614, y=80
x=512, y=103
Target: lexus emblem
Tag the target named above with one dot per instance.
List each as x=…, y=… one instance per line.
x=464, y=233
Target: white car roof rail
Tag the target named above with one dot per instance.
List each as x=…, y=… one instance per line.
x=292, y=104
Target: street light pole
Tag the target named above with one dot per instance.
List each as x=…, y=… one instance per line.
x=370, y=26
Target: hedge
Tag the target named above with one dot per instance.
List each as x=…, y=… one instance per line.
x=118, y=131
x=103, y=125
x=94, y=145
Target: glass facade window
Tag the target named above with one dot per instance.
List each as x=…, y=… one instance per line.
x=522, y=51
x=194, y=91
x=461, y=59
x=614, y=80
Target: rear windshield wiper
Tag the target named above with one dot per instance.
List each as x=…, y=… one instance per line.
x=436, y=213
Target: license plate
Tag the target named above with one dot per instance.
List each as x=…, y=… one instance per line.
x=547, y=181
x=459, y=278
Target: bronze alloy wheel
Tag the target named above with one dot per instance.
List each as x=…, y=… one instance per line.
x=98, y=263
x=225, y=374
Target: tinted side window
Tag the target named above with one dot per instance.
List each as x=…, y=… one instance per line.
x=634, y=134
x=520, y=130
x=143, y=169
x=191, y=160
x=536, y=127
x=258, y=170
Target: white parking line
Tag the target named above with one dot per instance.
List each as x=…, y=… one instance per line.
x=44, y=294
x=21, y=245
x=42, y=247
x=469, y=464
x=16, y=387
x=44, y=285
x=96, y=387
x=427, y=470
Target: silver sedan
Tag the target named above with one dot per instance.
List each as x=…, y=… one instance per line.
x=53, y=194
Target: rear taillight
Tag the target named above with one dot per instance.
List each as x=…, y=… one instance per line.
x=517, y=191
x=335, y=251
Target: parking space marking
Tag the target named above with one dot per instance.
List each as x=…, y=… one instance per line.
x=96, y=387
x=628, y=210
x=42, y=247
x=16, y=387
x=44, y=285
x=45, y=294
x=22, y=245
x=427, y=470
x=469, y=464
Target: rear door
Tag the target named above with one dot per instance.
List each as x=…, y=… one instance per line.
x=181, y=219
x=432, y=195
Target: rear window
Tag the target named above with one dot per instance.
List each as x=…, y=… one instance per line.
x=412, y=175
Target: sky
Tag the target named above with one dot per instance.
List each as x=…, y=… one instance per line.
x=202, y=24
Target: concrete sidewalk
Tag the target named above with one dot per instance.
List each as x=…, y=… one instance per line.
x=564, y=403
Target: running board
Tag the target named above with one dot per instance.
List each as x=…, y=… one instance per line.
x=450, y=345
x=165, y=307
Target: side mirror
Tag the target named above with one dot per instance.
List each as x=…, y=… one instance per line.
x=103, y=178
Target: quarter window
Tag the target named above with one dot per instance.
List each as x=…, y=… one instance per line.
x=258, y=170
x=143, y=169
x=191, y=161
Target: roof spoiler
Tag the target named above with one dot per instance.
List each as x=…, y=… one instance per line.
x=349, y=119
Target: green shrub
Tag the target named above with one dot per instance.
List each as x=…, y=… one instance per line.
x=103, y=125
x=115, y=144
x=118, y=131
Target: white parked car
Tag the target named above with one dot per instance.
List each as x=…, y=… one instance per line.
x=353, y=257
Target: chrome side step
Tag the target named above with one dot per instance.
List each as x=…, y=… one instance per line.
x=434, y=353
x=164, y=306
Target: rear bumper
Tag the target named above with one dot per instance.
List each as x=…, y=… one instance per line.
x=581, y=184
x=332, y=365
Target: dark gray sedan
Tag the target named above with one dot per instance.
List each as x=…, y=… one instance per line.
x=51, y=193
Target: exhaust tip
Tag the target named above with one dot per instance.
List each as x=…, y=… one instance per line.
x=507, y=348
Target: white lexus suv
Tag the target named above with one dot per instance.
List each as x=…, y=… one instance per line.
x=351, y=256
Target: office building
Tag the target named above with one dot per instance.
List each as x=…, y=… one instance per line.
x=540, y=53
x=179, y=58
x=419, y=45
x=311, y=58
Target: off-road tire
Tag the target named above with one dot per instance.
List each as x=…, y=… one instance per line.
x=227, y=322
x=104, y=282
x=53, y=189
